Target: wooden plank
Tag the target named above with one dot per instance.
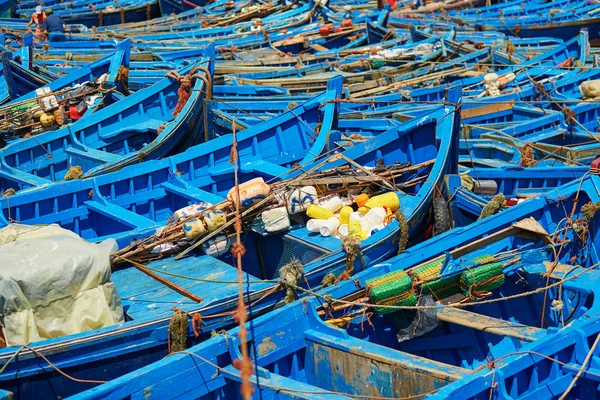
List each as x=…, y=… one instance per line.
x=488, y=324
x=560, y=270
x=489, y=109
x=318, y=47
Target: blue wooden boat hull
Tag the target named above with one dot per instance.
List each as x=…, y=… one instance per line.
x=141, y=341
x=296, y=354
x=100, y=143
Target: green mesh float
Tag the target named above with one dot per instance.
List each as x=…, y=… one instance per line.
x=481, y=279
x=405, y=299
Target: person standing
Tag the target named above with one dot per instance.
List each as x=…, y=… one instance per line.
x=38, y=19
x=54, y=27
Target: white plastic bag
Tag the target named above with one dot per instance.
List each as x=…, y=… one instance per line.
x=53, y=283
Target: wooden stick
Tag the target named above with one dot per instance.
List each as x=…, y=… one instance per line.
x=164, y=281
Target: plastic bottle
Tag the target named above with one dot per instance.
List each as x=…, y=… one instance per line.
x=343, y=230
x=190, y=210
x=354, y=229
x=314, y=225
x=355, y=216
x=318, y=212
x=389, y=200
x=217, y=246
x=361, y=199
x=332, y=203
x=345, y=213
x=330, y=226
x=375, y=216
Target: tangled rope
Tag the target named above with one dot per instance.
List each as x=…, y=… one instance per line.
x=123, y=75
x=403, y=239
x=178, y=326
x=527, y=158
x=9, y=192
x=74, y=172
x=290, y=274
x=184, y=91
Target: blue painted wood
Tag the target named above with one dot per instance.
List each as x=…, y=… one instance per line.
x=141, y=189
x=300, y=352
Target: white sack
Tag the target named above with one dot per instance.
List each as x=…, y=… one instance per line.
x=53, y=283
x=590, y=89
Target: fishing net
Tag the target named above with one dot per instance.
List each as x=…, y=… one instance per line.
x=297, y=249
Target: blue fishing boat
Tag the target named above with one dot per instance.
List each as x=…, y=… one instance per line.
x=143, y=338
x=442, y=319
x=150, y=123
x=23, y=88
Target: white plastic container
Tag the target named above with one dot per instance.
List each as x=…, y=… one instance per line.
x=190, y=210
x=374, y=217
x=314, y=225
x=343, y=230
x=490, y=78
x=333, y=203
x=43, y=91
x=298, y=200
x=330, y=226
x=275, y=219
x=355, y=216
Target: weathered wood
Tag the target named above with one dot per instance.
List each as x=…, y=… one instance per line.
x=164, y=281
x=488, y=109
x=488, y=324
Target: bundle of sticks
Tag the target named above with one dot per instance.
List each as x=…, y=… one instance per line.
x=171, y=239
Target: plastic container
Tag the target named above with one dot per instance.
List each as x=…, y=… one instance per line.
x=506, y=79
x=345, y=213
x=214, y=219
x=354, y=229
x=318, y=212
x=389, y=200
x=485, y=187
x=190, y=210
x=314, y=225
x=193, y=229
x=490, y=78
x=251, y=192
x=355, y=216
x=362, y=199
x=332, y=203
x=330, y=226
x=298, y=200
x=343, y=230
x=217, y=246
x=372, y=218
x=42, y=92
x=275, y=219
